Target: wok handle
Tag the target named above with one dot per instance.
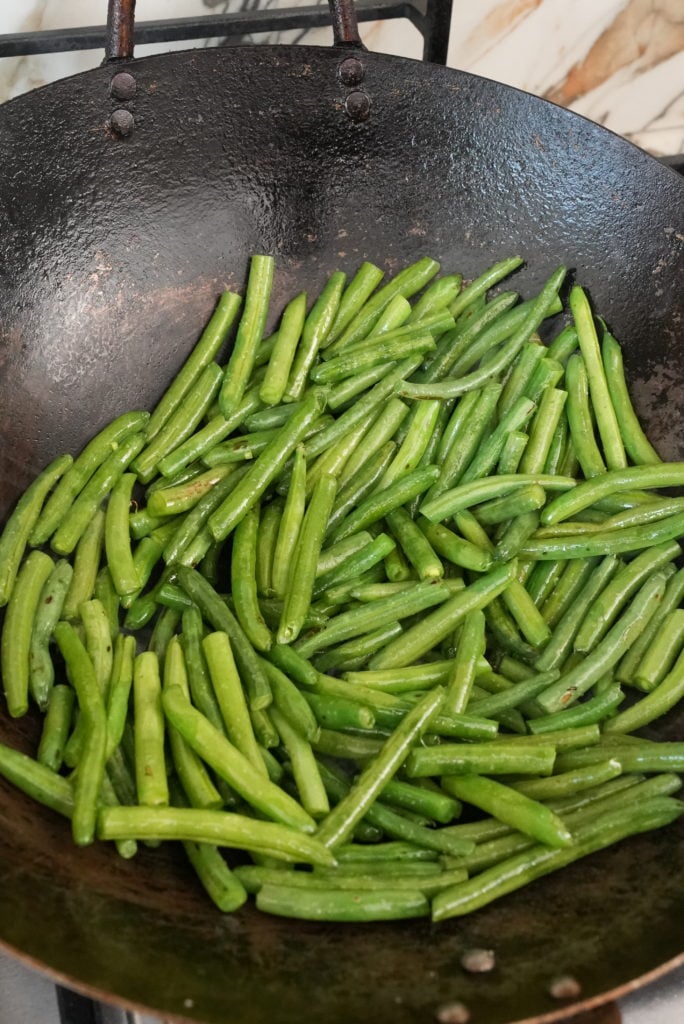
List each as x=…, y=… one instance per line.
x=345, y=24
x=120, y=23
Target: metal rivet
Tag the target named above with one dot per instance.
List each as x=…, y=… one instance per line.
x=123, y=86
x=357, y=106
x=122, y=122
x=351, y=71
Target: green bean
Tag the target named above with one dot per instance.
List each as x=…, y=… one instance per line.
x=290, y=524
x=454, y=548
x=316, y=328
x=569, y=783
x=521, y=373
x=639, y=448
x=359, y=410
x=422, y=423
x=542, y=580
x=646, y=513
x=407, y=282
x=164, y=628
x=667, y=643
x=307, y=777
x=385, y=500
x=580, y=418
x=621, y=588
x=48, y=612
x=86, y=566
x=79, y=472
x=466, y=443
x=544, y=424
x=249, y=333
x=489, y=451
x=141, y=523
x=243, y=582
x=293, y=664
x=557, y=447
x=362, y=486
x=517, y=503
x=265, y=468
x=594, y=710
x=634, y=756
x=141, y=611
x=215, y=611
x=354, y=654
x=501, y=359
x=98, y=641
x=514, y=808
x=206, y=350
x=349, y=746
x=199, y=680
x=301, y=578
x=608, y=652
x=435, y=627
x=575, y=575
x=357, y=564
x=150, y=765
x=340, y=713
x=370, y=856
x=674, y=592
x=77, y=517
x=501, y=329
x=106, y=594
x=338, y=826
x=516, y=533
x=655, y=704
x=587, y=493
x=501, y=758
x=218, y=828
x=342, y=393
x=340, y=905
x=270, y=417
x=465, y=336
x=481, y=285
x=461, y=498
x=220, y=883
x=37, y=781
x=354, y=297
x=117, y=538
x=199, y=443
x=336, y=555
x=182, y=423
x=196, y=784
x=433, y=803
x=230, y=697
x=415, y=545
x=228, y=762
x=147, y=554
x=547, y=374
x=88, y=777
x=470, y=649
x=121, y=680
x=490, y=707
x=266, y=544
x=56, y=725
x=560, y=645
x=601, y=396
x=15, y=652
x=279, y=365
x=171, y=500
x=540, y=860
x=564, y=344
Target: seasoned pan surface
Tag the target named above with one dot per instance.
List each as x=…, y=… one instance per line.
x=114, y=251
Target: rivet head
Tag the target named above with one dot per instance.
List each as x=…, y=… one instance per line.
x=351, y=71
x=123, y=86
x=122, y=122
x=357, y=105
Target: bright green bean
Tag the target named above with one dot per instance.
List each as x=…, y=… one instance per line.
x=385, y=500
x=354, y=297
x=657, y=703
x=15, y=649
x=150, y=764
x=316, y=328
x=471, y=648
x=282, y=356
x=230, y=697
x=341, y=905
x=597, y=709
x=244, y=584
x=48, y=613
x=510, y=806
x=500, y=758
x=249, y=333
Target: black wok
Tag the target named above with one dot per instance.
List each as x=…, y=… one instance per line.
x=115, y=248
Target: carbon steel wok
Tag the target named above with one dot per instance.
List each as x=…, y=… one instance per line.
x=114, y=251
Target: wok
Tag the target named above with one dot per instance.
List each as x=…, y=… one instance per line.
x=117, y=239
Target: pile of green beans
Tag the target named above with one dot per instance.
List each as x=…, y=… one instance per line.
x=365, y=614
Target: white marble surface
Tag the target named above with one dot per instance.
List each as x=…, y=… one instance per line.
x=619, y=62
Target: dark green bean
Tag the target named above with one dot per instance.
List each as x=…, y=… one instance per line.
x=244, y=584
x=47, y=615
x=580, y=418
x=471, y=647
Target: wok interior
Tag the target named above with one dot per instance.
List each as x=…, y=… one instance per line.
x=115, y=253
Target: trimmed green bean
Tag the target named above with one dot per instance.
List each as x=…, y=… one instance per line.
x=434, y=628
x=601, y=396
x=489, y=451
x=150, y=763
x=510, y=806
x=655, y=704
x=90, y=771
x=228, y=762
x=454, y=548
x=340, y=905
x=76, y=474
x=37, y=781
x=230, y=697
x=56, y=726
x=249, y=333
x=47, y=615
x=385, y=500
x=608, y=652
x=668, y=641
x=521, y=373
x=594, y=710
x=316, y=328
x=266, y=544
x=290, y=524
x=354, y=297
x=280, y=363
x=580, y=419
x=569, y=783
x=312, y=794
x=244, y=584
x=461, y=498
x=86, y=565
x=76, y=518
x=639, y=448
x=15, y=648
x=500, y=758
x=574, y=576
x=470, y=649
